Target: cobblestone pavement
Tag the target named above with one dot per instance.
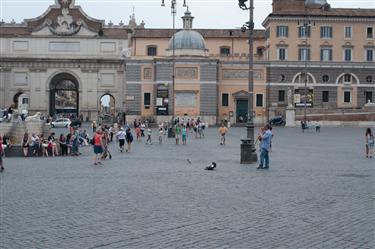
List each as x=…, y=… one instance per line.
x=318, y=193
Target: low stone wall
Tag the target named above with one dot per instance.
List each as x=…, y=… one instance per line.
x=16, y=130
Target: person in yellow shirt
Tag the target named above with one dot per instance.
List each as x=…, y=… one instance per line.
x=222, y=131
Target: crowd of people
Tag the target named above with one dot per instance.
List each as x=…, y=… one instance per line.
x=69, y=144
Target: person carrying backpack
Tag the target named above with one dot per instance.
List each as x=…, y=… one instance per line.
x=129, y=139
x=121, y=135
x=369, y=143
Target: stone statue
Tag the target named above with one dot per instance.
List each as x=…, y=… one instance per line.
x=290, y=103
x=35, y=117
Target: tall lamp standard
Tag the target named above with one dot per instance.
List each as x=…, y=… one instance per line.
x=306, y=32
x=248, y=154
x=173, y=12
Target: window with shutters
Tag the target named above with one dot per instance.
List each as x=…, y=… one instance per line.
x=281, y=96
x=259, y=100
x=348, y=32
x=304, y=31
x=146, y=99
x=326, y=54
x=347, y=54
x=282, y=31
x=303, y=54
x=151, y=51
x=369, y=55
x=326, y=32
x=224, y=99
x=369, y=32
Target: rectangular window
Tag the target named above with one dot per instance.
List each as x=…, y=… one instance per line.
x=224, y=51
x=325, y=32
x=304, y=31
x=151, y=51
x=281, y=54
x=325, y=96
x=348, y=32
x=347, y=54
x=146, y=99
x=225, y=99
x=282, y=31
x=368, y=96
x=304, y=54
x=347, y=96
x=370, y=32
x=281, y=96
x=369, y=55
x=326, y=54
x=20, y=45
x=259, y=100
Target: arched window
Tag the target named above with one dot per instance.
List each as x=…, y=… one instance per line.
x=347, y=79
x=301, y=77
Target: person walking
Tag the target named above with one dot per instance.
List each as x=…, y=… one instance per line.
x=222, y=131
x=1, y=154
x=149, y=133
x=129, y=139
x=177, y=133
x=184, y=134
x=25, y=144
x=63, y=146
x=265, y=140
x=93, y=125
x=369, y=143
x=35, y=144
x=98, y=147
x=161, y=132
x=121, y=135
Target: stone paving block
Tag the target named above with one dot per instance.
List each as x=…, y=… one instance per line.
x=318, y=193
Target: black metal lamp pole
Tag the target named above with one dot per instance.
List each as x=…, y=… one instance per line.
x=248, y=152
x=173, y=12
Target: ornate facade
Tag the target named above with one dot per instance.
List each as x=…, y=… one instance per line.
x=65, y=62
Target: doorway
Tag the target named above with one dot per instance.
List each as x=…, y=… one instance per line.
x=64, y=96
x=241, y=110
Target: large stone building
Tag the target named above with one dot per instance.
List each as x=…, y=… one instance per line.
x=67, y=62
x=63, y=62
x=211, y=73
x=334, y=47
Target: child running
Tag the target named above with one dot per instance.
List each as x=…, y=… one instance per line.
x=121, y=134
x=149, y=132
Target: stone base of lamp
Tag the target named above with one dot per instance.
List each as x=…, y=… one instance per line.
x=290, y=117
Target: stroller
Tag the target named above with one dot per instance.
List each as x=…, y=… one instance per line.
x=106, y=153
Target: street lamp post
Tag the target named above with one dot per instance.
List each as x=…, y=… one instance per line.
x=173, y=12
x=248, y=154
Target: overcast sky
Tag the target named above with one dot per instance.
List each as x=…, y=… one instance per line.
x=208, y=13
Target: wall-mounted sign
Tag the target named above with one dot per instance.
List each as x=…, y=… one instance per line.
x=300, y=97
x=234, y=74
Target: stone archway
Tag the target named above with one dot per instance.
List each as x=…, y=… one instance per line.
x=64, y=95
x=107, y=108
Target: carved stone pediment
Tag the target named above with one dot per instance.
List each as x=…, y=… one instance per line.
x=64, y=19
x=64, y=24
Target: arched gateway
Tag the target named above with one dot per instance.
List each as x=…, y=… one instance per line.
x=64, y=95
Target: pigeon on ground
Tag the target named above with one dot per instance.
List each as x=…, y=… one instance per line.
x=212, y=166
